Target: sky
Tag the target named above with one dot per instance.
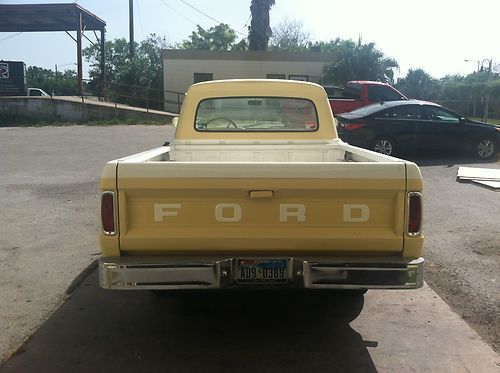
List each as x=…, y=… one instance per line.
x=435, y=35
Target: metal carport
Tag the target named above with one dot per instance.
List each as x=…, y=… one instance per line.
x=56, y=17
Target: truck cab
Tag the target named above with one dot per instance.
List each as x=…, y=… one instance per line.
x=33, y=92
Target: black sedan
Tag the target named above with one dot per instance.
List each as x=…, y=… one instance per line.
x=398, y=126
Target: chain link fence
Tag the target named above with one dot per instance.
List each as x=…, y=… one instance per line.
x=474, y=108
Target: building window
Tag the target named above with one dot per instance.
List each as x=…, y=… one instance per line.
x=315, y=79
x=302, y=78
x=203, y=77
x=276, y=76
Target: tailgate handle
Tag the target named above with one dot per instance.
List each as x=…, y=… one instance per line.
x=261, y=194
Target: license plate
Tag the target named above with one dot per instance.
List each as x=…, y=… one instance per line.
x=262, y=270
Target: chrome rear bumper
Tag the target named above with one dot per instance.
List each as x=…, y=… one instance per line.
x=136, y=273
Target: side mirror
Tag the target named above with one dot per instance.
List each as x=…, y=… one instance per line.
x=175, y=120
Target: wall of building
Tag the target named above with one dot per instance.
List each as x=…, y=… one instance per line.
x=180, y=66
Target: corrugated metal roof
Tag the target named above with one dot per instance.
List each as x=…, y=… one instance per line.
x=46, y=17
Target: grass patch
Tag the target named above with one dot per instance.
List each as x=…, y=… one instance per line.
x=24, y=121
x=490, y=120
x=127, y=121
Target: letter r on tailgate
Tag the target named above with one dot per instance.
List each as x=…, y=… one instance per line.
x=298, y=211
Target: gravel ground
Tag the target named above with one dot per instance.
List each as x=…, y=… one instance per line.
x=462, y=244
x=49, y=175
x=49, y=206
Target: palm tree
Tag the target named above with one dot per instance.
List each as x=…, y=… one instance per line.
x=259, y=30
x=418, y=84
x=358, y=61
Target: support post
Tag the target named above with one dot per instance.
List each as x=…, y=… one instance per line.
x=103, y=66
x=131, y=25
x=79, y=54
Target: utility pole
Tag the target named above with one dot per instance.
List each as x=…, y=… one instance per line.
x=131, y=25
x=54, y=92
x=477, y=83
x=487, y=98
x=475, y=91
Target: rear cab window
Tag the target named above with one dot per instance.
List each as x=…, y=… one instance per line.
x=383, y=93
x=256, y=114
x=334, y=92
x=352, y=91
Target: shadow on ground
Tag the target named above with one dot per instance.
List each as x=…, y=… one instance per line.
x=450, y=158
x=276, y=331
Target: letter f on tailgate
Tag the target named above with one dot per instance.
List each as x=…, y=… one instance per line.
x=161, y=210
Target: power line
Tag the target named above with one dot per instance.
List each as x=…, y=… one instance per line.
x=206, y=15
x=11, y=36
x=181, y=15
x=248, y=20
x=201, y=12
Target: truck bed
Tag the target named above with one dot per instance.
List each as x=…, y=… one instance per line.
x=316, y=200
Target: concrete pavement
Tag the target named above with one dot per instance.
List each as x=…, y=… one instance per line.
x=387, y=331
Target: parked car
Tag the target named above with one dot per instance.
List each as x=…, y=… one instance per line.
x=394, y=127
x=359, y=93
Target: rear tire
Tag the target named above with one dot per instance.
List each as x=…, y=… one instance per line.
x=484, y=148
x=384, y=145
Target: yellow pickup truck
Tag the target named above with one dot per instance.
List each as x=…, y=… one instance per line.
x=256, y=190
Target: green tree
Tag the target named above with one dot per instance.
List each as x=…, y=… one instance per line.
x=419, y=84
x=137, y=81
x=356, y=61
x=467, y=95
x=62, y=83
x=217, y=38
x=259, y=30
x=66, y=83
x=289, y=36
x=39, y=77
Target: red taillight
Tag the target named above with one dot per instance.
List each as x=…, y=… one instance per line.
x=108, y=212
x=353, y=126
x=415, y=213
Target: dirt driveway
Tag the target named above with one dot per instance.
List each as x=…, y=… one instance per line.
x=462, y=243
x=49, y=176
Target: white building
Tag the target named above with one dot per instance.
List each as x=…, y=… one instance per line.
x=183, y=67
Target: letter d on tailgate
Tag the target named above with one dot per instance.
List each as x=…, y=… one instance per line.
x=356, y=213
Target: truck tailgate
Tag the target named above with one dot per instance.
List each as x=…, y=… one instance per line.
x=262, y=208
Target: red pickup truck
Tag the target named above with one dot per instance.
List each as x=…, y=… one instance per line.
x=359, y=93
